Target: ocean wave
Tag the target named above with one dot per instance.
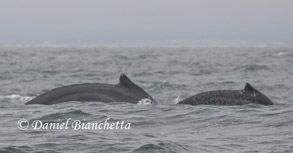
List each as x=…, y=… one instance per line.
x=161, y=147
x=66, y=115
x=252, y=68
x=22, y=149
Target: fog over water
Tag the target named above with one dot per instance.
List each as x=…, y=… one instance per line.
x=104, y=21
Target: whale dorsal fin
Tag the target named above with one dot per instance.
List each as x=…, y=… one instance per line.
x=248, y=88
x=126, y=82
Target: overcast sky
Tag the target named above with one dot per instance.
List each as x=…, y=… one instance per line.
x=100, y=21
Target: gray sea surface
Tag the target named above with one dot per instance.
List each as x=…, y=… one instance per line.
x=169, y=75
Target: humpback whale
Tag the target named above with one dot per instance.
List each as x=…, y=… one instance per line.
x=124, y=91
x=229, y=97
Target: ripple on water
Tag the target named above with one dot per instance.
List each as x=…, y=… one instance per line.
x=252, y=68
x=161, y=147
x=24, y=149
x=66, y=115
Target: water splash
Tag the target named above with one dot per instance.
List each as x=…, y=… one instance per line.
x=145, y=101
x=15, y=97
x=177, y=99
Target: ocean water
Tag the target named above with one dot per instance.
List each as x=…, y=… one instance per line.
x=169, y=75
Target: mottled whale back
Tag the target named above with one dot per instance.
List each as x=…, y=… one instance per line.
x=124, y=91
x=229, y=97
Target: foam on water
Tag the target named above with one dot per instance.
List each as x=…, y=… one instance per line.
x=145, y=101
x=15, y=97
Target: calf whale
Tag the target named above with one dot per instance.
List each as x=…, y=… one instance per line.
x=229, y=97
x=124, y=91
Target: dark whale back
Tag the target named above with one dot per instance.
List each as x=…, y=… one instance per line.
x=229, y=97
x=257, y=96
x=125, y=82
x=124, y=91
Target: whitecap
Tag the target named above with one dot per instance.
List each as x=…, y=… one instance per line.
x=145, y=101
x=15, y=97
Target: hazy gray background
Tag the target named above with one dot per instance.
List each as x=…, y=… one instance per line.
x=107, y=21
